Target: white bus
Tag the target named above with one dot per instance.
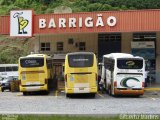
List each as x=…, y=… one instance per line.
x=123, y=74
x=8, y=70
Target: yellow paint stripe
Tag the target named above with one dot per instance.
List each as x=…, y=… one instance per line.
x=19, y=94
x=153, y=98
x=56, y=93
x=100, y=95
x=152, y=89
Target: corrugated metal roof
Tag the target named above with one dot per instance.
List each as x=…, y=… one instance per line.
x=127, y=21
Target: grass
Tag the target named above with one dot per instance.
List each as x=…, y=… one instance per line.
x=56, y=117
x=81, y=117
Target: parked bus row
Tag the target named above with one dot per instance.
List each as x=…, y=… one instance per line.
x=121, y=74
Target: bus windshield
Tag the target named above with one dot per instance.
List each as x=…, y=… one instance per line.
x=32, y=62
x=80, y=60
x=130, y=63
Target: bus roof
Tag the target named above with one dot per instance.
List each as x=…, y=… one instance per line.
x=36, y=55
x=73, y=53
x=8, y=65
x=120, y=55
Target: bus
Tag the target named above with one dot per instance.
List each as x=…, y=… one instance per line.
x=123, y=74
x=35, y=73
x=80, y=73
x=8, y=70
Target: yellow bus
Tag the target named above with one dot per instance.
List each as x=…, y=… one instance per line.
x=35, y=73
x=80, y=73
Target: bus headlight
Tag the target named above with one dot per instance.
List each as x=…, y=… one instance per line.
x=23, y=77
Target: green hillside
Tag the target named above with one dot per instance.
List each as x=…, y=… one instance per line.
x=48, y=6
x=12, y=48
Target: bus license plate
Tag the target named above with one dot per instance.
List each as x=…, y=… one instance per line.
x=129, y=88
x=81, y=88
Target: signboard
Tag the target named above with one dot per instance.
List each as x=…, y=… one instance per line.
x=21, y=23
x=73, y=22
x=144, y=49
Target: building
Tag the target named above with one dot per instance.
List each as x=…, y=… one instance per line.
x=132, y=31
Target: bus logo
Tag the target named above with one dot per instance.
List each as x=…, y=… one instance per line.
x=130, y=63
x=124, y=81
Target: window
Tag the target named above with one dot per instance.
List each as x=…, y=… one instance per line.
x=45, y=46
x=59, y=46
x=15, y=68
x=144, y=36
x=32, y=62
x=80, y=60
x=8, y=68
x=70, y=41
x=129, y=64
x=82, y=46
x=109, y=37
x=109, y=64
x=2, y=69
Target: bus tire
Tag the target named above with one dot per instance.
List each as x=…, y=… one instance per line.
x=24, y=93
x=92, y=95
x=109, y=91
x=68, y=95
x=2, y=89
x=46, y=92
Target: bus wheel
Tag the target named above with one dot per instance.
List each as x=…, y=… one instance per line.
x=68, y=95
x=46, y=92
x=92, y=95
x=109, y=91
x=24, y=93
x=2, y=89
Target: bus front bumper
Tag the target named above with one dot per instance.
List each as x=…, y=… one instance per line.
x=33, y=88
x=128, y=92
x=81, y=90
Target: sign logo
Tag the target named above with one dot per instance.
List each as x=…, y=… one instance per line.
x=21, y=23
x=124, y=81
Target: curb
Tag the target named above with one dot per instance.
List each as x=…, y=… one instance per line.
x=152, y=89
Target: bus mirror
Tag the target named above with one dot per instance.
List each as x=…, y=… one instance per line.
x=100, y=64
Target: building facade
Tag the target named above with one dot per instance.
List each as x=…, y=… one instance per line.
x=136, y=32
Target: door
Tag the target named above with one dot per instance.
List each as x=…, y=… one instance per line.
x=108, y=43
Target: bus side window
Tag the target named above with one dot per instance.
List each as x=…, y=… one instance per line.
x=2, y=69
x=106, y=63
x=15, y=68
x=8, y=68
x=112, y=66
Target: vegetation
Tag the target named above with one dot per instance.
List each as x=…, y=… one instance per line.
x=10, y=49
x=54, y=117
x=48, y=6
